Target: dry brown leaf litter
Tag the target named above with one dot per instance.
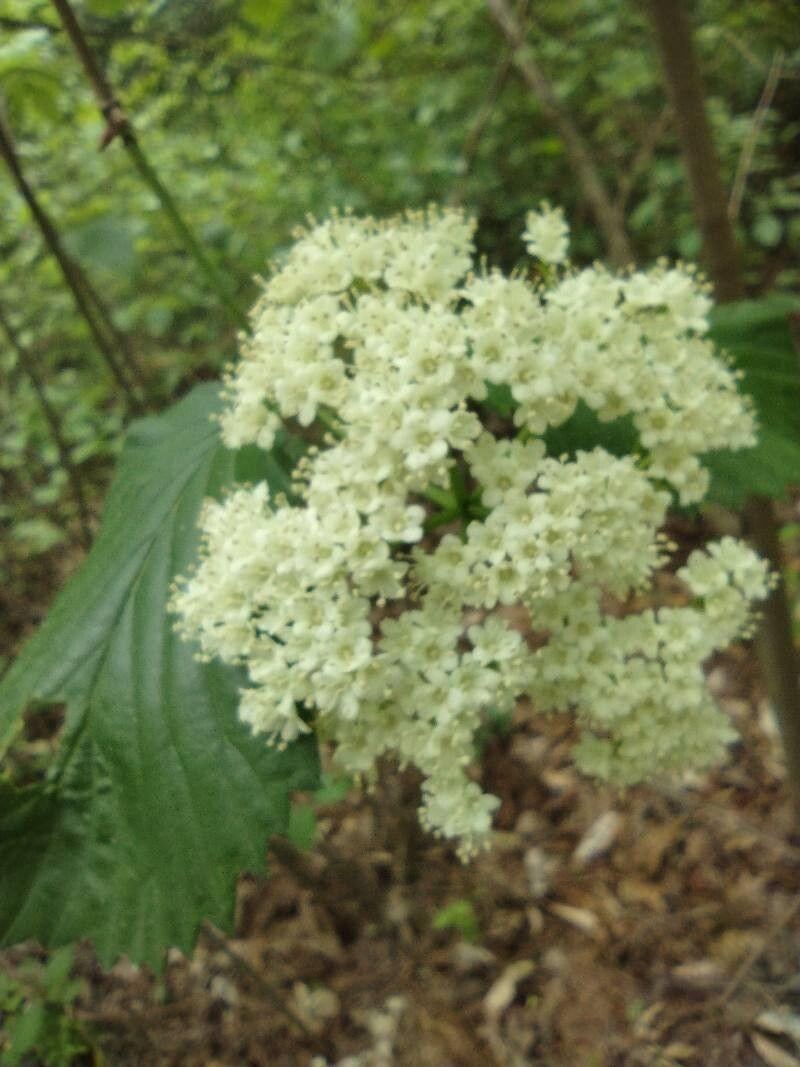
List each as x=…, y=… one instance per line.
x=653, y=928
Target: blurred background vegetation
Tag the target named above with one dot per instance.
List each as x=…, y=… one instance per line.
x=256, y=113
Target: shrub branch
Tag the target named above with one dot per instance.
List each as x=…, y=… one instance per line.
x=27, y=362
x=673, y=35
x=119, y=125
x=88, y=302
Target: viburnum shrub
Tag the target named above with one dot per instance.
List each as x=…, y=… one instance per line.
x=433, y=563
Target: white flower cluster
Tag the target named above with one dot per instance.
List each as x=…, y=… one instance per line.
x=374, y=605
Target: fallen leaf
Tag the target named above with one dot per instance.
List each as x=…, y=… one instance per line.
x=535, y=920
x=650, y=849
x=224, y=989
x=679, y=1050
x=530, y=824
x=733, y=945
x=718, y=681
x=768, y=721
x=781, y=1021
x=743, y=841
x=467, y=957
x=644, y=1024
x=315, y=1006
x=634, y=891
x=598, y=839
x=581, y=918
x=539, y=870
x=530, y=750
x=558, y=781
x=506, y=925
x=503, y=991
x=698, y=974
x=773, y=1055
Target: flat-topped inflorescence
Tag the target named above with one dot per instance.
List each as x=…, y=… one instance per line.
x=354, y=608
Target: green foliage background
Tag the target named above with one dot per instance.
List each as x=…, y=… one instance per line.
x=158, y=796
x=256, y=113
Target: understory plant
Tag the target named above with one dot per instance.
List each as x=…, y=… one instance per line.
x=428, y=494
x=36, y=1014
x=432, y=562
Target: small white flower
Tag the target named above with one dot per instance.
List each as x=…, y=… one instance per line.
x=546, y=234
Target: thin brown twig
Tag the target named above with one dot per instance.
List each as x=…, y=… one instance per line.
x=481, y=121
x=610, y=220
x=750, y=141
x=118, y=337
x=683, y=82
x=295, y=862
x=642, y=157
x=749, y=962
x=28, y=364
x=696, y=807
x=9, y=23
x=747, y=53
x=361, y=899
x=270, y=990
x=118, y=125
x=76, y=280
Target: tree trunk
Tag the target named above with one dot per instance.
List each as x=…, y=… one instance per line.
x=673, y=35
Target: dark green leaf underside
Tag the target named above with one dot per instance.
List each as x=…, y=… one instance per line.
x=758, y=337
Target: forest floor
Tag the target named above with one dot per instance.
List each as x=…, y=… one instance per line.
x=659, y=927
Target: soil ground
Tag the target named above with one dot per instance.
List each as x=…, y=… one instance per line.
x=659, y=927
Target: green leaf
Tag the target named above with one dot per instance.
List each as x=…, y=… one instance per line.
x=159, y=796
x=766, y=470
x=302, y=828
x=107, y=243
x=583, y=430
x=106, y=7
x=458, y=915
x=37, y=535
x=499, y=399
x=55, y=976
x=10, y=994
x=25, y=1031
x=264, y=13
x=496, y=724
x=757, y=335
x=333, y=788
x=767, y=230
